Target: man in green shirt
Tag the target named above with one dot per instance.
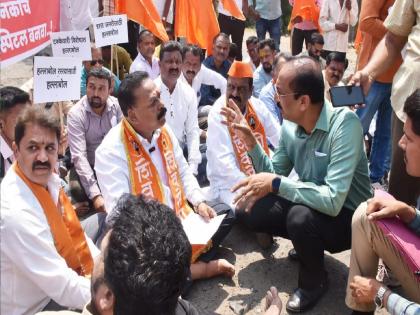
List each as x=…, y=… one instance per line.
x=325, y=147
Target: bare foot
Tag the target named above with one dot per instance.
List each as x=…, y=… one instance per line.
x=273, y=303
x=201, y=270
x=220, y=267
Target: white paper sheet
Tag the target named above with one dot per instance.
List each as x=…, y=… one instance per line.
x=198, y=231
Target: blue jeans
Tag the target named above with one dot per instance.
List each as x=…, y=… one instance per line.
x=378, y=99
x=273, y=27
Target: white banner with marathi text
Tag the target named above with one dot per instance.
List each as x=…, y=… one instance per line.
x=74, y=44
x=110, y=30
x=56, y=79
x=25, y=27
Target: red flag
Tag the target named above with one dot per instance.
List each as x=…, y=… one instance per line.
x=232, y=8
x=145, y=13
x=197, y=22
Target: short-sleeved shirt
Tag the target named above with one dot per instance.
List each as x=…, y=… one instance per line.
x=403, y=21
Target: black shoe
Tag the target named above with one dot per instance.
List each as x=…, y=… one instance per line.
x=302, y=299
x=293, y=255
x=361, y=313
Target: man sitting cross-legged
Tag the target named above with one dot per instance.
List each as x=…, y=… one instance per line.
x=228, y=162
x=371, y=242
x=141, y=155
x=45, y=256
x=325, y=147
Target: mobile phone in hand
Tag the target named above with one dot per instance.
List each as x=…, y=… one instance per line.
x=347, y=95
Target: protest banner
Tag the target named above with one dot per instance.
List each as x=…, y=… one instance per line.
x=56, y=79
x=74, y=44
x=25, y=27
x=110, y=30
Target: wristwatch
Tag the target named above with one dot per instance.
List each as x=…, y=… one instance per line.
x=275, y=184
x=379, y=298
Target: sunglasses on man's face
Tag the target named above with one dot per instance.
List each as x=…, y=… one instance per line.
x=95, y=61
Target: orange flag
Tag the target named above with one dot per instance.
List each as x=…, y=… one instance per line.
x=307, y=10
x=145, y=13
x=197, y=22
x=232, y=8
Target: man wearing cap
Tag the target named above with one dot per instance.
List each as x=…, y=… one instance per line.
x=227, y=160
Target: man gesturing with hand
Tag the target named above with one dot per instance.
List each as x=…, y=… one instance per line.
x=325, y=147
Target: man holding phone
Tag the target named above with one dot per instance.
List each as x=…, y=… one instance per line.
x=325, y=147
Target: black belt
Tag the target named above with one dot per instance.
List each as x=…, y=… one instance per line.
x=230, y=17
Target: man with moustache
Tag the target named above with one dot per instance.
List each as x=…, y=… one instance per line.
x=12, y=102
x=180, y=101
x=218, y=62
x=141, y=155
x=324, y=145
x=262, y=75
x=333, y=73
x=88, y=122
x=268, y=92
x=196, y=74
x=314, y=48
x=145, y=60
x=227, y=163
x=46, y=258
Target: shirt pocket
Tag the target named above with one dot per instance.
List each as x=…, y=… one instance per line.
x=319, y=167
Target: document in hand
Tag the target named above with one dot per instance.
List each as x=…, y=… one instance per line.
x=198, y=231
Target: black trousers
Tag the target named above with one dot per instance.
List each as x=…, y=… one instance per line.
x=233, y=27
x=298, y=37
x=310, y=231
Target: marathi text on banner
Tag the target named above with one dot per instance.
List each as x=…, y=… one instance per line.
x=25, y=27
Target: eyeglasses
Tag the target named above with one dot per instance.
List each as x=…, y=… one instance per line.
x=95, y=61
x=283, y=95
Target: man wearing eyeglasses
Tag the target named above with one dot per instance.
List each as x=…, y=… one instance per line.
x=97, y=62
x=325, y=147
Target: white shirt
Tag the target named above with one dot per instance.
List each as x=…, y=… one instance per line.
x=6, y=153
x=32, y=271
x=182, y=117
x=331, y=14
x=75, y=15
x=222, y=166
x=111, y=168
x=208, y=77
x=141, y=64
x=222, y=10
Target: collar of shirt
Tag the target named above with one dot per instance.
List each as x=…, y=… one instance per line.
x=5, y=150
x=145, y=143
x=323, y=122
x=142, y=59
x=223, y=70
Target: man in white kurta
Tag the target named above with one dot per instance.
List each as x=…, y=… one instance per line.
x=117, y=174
x=335, y=19
x=194, y=73
x=223, y=169
x=181, y=103
x=113, y=174
x=33, y=273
